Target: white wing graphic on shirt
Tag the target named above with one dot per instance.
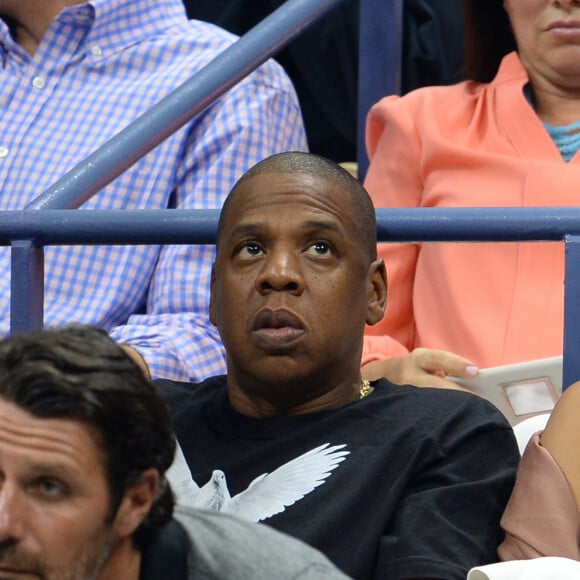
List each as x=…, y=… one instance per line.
x=270, y=493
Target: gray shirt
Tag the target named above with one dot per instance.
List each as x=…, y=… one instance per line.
x=224, y=547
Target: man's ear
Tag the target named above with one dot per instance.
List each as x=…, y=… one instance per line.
x=136, y=503
x=377, y=293
x=212, y=313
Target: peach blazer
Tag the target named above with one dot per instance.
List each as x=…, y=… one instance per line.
x=469, y=145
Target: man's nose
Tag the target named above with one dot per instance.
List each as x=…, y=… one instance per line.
x=12, y=513
x=281, y=272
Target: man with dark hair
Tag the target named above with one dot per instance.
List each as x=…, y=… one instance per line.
x=85, y=442
x=388, y=481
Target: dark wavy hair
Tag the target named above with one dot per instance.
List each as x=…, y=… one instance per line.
x=488, y=38
x=78, y=372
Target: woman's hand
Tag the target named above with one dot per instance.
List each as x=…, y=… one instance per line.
x=423, y=367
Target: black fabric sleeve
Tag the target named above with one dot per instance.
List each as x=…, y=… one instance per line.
x=448, y=520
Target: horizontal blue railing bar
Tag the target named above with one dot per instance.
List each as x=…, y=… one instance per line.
x=68, y=227
x=109, y=227
x=477, y=224
x=119, y=153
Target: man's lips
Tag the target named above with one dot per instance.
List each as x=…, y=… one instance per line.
x=277, y=328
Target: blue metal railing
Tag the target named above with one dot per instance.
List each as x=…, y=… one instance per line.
x=380, y=57
x=65, y=227
x=29, y=230
x=32, y=230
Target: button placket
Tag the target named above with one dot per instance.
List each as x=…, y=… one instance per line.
x=38, y=82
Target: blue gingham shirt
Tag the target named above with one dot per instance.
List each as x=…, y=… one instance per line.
x=99, y=66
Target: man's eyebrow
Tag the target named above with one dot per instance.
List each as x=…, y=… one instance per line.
x=59, y=470
x=310, y=225
x=245, y=229
x=323, y=225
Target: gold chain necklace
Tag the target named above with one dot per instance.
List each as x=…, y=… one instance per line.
x=365, y=389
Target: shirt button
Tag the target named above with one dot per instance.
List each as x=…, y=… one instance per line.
x=3, y=151
x=38, y=82
x=96, y=50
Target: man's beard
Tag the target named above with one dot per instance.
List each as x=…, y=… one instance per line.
x=85, y=565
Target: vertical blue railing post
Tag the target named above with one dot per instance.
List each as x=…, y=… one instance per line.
x=571, y=370
x=379, y=62
x=26, y=286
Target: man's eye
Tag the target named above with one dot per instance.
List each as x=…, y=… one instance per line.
x=320, y=249
x=250, y=250
x=51, y=488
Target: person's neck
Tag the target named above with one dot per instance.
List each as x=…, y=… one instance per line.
x=556, y=105
x=29, y=21
x=262, y=400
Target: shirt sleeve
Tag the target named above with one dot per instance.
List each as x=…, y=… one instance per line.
x=257, y=118
x=541, y=518
x=449, y=520
x=394, y=180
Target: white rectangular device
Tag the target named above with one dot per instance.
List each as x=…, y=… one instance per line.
x=519, y=390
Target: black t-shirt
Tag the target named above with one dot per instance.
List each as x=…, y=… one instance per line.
x=419, y=494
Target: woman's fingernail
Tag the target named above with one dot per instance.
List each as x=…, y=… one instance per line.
x=471, y=370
